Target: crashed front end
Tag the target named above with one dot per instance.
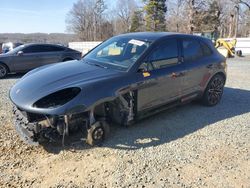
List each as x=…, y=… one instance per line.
x=27, y=130
x=53, y=101
x=36, y=128
x=48, y=118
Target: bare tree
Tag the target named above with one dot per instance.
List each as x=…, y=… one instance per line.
x=98, y=18
x=125, y=10
x=91, y=20
x=86, y=19
x=191, y=5
x=176, y=16
x=230, y=18
x=237, y=6
x=196, y=16
x=246, y=3
x=179, y=3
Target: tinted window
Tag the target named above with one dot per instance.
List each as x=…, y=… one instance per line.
x=206, y=50
x=42, y=48
x=30, y=49
x=55, y=48
x=166, y=54
x=192, y=50
x=35, y=49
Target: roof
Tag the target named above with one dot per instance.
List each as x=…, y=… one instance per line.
x=47, y=44
x=153, y=36
x=146, y=35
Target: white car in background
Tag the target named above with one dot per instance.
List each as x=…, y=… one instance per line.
x=8, y=46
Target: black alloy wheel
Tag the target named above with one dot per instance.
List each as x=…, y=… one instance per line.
x=214, y=90
x=3, y=71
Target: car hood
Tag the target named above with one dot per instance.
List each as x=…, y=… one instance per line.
x=48, y=79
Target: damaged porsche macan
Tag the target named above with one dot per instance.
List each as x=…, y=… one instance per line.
x=121, y=81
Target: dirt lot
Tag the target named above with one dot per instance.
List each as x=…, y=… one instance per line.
x=191, y=146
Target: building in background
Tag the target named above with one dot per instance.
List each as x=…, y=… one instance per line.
x=83, y=47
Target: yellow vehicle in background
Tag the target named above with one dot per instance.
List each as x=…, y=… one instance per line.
x=225, y=46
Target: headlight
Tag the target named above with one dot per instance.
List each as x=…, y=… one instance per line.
x=58, y=98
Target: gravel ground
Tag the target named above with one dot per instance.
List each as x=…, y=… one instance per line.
x=190, y=146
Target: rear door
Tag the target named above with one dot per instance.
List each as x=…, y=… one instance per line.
x=51, y=54
x=196, y=56
x=162, y=83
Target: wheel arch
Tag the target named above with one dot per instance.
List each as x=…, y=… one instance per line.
x=110, y=107
x=223, y=74
x=220, y=73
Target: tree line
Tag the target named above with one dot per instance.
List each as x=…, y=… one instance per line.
x=95, y=20
x=55, y=38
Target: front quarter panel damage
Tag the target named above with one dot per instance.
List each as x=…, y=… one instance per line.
x=97, y=97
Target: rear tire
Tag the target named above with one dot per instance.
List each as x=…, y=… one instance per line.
x=3, y=71
x=214, y=91
x=239, y=53
x=97, y=133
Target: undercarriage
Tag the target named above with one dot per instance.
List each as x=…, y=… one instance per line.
x=39, y=128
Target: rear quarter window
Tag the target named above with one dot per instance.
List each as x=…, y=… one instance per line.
x=206, y=49
x=55, y=48
x=192, y=49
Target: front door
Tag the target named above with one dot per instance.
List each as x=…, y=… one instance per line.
x=28, y=60
x=162, y=83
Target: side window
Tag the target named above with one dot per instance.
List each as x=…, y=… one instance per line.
x=35, y=49
x=165, y=55
x=192, y=50
x=206, y=50
x=54, y=49
x=41, y=49
x=29, y=49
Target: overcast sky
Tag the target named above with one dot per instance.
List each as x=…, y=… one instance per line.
x=29, y=16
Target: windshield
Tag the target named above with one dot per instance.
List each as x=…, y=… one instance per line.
x=17, y=49
x=117, y=53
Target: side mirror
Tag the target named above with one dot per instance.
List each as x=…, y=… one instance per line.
x=20, y=53
x=143, y=68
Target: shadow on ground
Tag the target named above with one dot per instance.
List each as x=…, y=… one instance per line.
x=169, y=125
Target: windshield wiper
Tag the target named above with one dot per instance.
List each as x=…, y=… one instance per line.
x=96, y=64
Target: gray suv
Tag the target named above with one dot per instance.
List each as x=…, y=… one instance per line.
x=29, y=56
x=123, y=80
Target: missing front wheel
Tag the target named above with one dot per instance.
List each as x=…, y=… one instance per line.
x=97, y=133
